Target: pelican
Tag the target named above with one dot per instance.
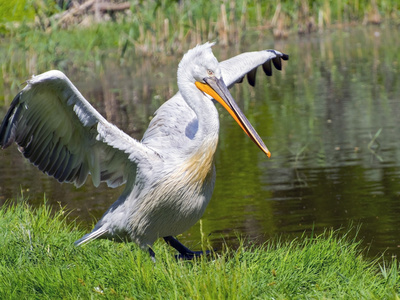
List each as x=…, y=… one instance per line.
x=169, y=175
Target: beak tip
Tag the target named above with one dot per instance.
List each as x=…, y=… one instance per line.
x=269, y=154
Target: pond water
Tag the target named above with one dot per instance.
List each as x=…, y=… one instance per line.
x=330, y=119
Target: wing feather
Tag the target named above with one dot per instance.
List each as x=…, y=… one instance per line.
x=277, y=63
x=235, y=68
x=58, y=131
x=251, y=77
x=267, y=67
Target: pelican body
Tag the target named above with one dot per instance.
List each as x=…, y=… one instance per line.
x=169, y=175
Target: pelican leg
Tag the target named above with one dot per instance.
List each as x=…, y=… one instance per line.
x=152, y=255
x=184, y=252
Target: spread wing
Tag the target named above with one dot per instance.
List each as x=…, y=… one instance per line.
x=237, y=67
x=58, y=130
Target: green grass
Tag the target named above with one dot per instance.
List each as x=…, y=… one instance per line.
x=39, y=261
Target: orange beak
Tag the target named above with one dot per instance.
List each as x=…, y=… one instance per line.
x=217, y=89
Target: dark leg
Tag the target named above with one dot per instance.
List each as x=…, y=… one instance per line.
x=152, y=255
x=185, y=253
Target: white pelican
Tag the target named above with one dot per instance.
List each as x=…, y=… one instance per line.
x=169, y=175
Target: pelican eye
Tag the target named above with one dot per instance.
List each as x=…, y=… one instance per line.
x=210, y=73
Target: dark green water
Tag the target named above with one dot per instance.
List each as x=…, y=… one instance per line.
x=330, y=119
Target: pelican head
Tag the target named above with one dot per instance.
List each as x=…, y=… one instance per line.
x=200, y=67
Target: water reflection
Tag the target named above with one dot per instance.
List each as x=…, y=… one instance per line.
x=329, y=119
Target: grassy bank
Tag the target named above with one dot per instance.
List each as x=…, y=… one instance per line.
x=38, y=260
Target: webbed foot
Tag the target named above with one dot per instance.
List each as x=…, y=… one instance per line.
x=184, y=252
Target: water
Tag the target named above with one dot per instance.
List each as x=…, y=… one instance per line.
x=330, y=119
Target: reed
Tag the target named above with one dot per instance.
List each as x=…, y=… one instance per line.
x=163, y=26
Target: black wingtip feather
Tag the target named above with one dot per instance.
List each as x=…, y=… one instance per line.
x=251, y=77
x=277, y=63
x=267, y=67
x=285, y=56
